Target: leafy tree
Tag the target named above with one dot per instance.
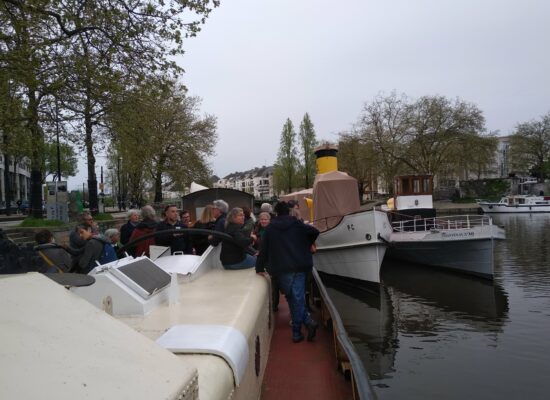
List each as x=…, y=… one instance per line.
x=436, y=126
x=530, y=147
x=307, y=144
x=36, y=36
x=359, y=159
x=473, y=153
x=384, y=124
x=167, y=134
x=286, y=167
x=67, y=157
x=14, y=141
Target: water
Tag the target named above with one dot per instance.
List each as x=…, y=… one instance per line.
x=431, y=334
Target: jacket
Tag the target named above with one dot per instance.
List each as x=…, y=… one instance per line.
x=145, y=227
x=92, y=252
x=126, y=231
x=56, y=254
x=200, y=241
x=286, y=245
x=234, y=251
x=176, y=242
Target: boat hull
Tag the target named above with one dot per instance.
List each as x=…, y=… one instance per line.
x=355, y=247
x=465, y=250
x=489, y=208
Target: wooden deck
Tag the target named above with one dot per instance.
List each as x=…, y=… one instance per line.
x=305, y=370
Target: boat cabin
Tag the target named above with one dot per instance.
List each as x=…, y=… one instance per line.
x=413, y=199
x=412, y=192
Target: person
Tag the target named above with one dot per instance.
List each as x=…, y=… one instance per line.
x=294, y=209
x=268, y=208
x=176, y=242
x=113, y=236
x=259, y=230
x=234, y=252
x=206, y=221
x=249, y=221
x=147, y=225
x=285, y=250
x=219, y=211
x=127, y=229
x=97, y=250
x=56, y=257
x=185, y=218
x=76, y=244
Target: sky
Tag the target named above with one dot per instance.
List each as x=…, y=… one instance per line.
x=256, y=63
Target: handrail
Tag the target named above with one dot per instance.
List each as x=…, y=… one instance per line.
x=362, y=388
x=444, y=223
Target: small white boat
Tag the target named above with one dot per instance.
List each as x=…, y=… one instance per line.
x=517, y=204
x=463, y=243
x=352, y=242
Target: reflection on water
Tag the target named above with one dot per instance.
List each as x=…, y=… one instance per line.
x=434, y=334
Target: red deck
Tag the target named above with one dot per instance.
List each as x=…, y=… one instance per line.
x=305, y=370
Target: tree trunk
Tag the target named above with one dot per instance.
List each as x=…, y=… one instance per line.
x=36, y=156
x=158, y=187
x=92, y=179
x=7, y=185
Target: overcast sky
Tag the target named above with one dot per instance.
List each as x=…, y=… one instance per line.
x=256, y=63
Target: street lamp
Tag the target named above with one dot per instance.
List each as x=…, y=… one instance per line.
x=119, y=192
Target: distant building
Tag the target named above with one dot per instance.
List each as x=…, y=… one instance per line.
x=257, y=182
x=20, y=179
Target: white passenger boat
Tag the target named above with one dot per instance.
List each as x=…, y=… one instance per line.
x=517, y=204
x=180, y=327
x=463, y=243
x=352, y=242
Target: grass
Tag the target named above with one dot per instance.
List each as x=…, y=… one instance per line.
x=31, y=222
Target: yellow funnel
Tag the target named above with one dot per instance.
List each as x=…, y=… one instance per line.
x=326, y=158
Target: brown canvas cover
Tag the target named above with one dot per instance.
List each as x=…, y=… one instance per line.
x=335, y=194
x=300, y=196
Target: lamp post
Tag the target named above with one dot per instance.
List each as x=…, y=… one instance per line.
x=119, y=192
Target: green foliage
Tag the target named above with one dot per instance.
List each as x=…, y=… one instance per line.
x=530, y=148
x=162, y=137
x=39, y=222
x=68, y=160
x=428, y=135
x=103, y=217
x=286, y=167
x=79, y=52
x=307, y=145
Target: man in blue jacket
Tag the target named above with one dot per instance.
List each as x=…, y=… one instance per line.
x=286, y=250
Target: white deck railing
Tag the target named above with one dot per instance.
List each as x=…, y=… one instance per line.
x=441, y=223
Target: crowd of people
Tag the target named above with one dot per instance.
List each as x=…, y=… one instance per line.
x=278, y=243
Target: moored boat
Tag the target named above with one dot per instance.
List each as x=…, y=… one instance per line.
x=352, y=242
x=463, y=243
x=179, y=327
x=517, y=204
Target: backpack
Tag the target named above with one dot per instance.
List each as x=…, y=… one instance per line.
x=108, y=254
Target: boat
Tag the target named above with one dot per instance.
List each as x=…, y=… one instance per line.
x=462, y=243
x=174, y=327
x=352, y=242
x=518, y=203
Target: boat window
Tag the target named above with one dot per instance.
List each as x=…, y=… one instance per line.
x=406, y=188
x=426, y=184
x=416, y=185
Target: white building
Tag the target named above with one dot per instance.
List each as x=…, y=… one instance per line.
x=20, y=179
x=258, y=182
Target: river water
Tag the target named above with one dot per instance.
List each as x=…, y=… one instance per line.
x=431, y=334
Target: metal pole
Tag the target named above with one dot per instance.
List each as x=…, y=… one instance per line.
x=119, y=196
x=58, y=149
